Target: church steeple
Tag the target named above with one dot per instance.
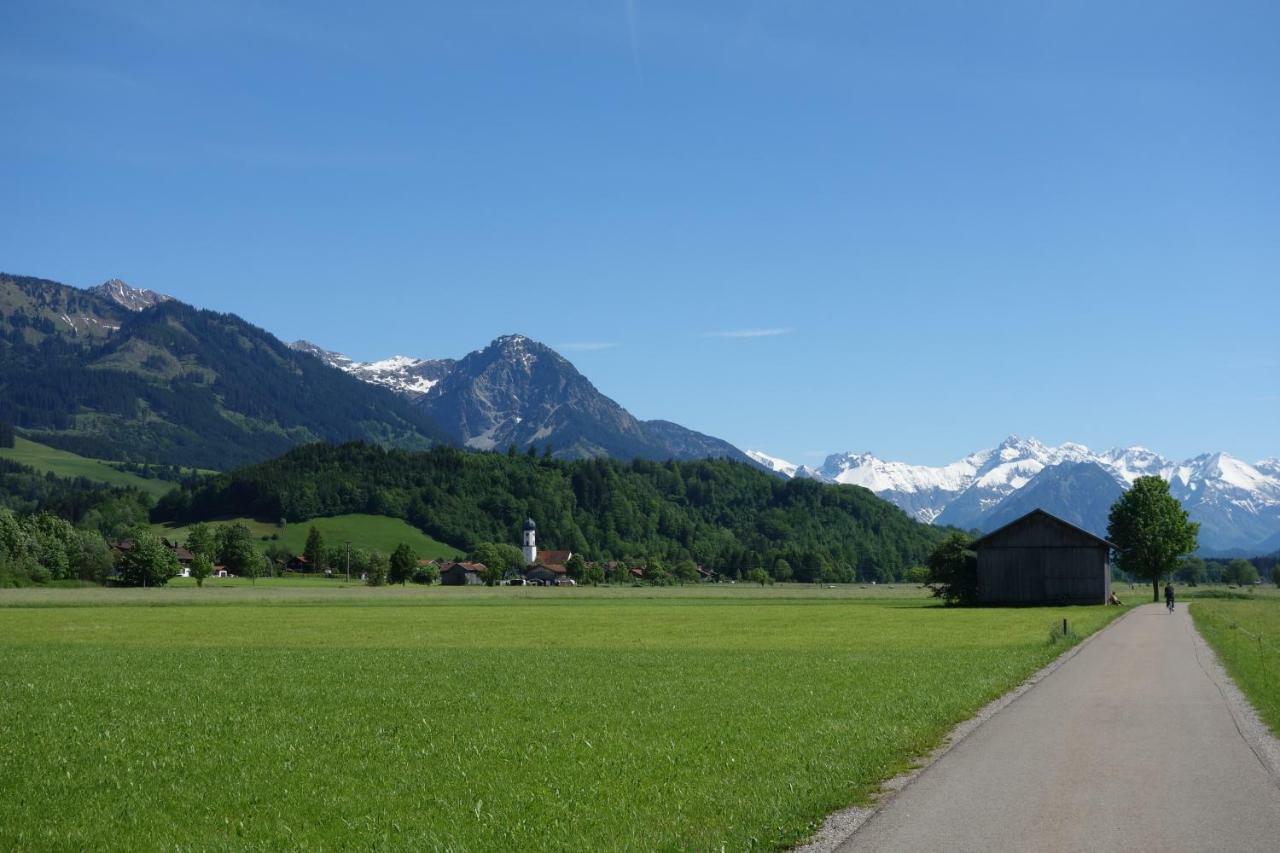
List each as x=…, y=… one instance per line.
x=530, y=542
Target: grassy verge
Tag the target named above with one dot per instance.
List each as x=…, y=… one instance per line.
x=64, y=464
x=494, y=721
x=1246, y=636
x=378, y=532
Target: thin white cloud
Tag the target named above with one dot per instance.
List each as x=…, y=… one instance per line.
x=588, y=346
x=750, y=333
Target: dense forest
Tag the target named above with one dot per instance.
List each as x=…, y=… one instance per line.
x=176, y=385
x=78, y=500
x=722, y=514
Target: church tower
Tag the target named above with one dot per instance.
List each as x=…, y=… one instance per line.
x=530, y=542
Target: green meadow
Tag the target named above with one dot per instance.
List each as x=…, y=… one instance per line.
x=64, y=464
x=378, y=532
x=479, y=719
x=1246, y=636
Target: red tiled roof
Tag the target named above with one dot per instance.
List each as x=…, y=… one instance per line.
x=557, y=558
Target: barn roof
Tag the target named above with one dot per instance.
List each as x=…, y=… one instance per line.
x=1038, y=513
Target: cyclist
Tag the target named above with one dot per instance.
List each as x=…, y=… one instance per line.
x=1168, y=596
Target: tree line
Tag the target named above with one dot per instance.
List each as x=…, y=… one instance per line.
x=720, y=514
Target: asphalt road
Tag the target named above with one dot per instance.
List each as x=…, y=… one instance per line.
x=1129, y=746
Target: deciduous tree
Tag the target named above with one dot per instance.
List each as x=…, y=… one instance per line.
x=953, y=570
x=201, y=568
x=148, y=562
x=236, y=550
x=1151, y=531
x=376, y=569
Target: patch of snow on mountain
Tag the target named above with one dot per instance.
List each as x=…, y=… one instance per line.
x=402, y=373
x=773, y=463
x=132, y=298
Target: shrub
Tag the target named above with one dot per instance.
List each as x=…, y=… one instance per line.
x=953, y=570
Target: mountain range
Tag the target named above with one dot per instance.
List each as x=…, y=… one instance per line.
x=117, y=372
x=122, y=373
x=1236, y=504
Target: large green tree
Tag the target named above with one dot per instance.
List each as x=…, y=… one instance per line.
x=147, y=562
x=1151, y=531
x=202, y=539
x=235, y=549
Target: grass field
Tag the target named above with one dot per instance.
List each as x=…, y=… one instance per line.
x=1246, y=636
x=65, y=464
x=378, y=532
x=470, y=719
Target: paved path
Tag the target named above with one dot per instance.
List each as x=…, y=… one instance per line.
x=1130, y=746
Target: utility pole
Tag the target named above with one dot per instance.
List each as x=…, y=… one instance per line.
x=348, y=562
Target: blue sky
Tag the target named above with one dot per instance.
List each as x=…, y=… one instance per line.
x=911, y=228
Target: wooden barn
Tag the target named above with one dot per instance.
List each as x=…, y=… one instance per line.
x=461, y=574
x=1041, y=559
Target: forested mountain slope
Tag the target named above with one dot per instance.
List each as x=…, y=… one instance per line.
x=721, y=513
x=174, y=384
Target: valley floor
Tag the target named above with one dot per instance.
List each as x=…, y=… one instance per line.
x=285, y=716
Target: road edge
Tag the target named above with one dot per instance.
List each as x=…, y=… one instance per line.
x=838, y=827
x=1253, y=731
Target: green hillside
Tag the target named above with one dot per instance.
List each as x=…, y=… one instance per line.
x=722, y=514
x=377, y=532
x=65, y=464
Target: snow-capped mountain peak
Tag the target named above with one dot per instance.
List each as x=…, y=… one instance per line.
x=1237, y=504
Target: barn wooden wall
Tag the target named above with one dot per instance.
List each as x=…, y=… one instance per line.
x=1045, y=575
x=1042, y=561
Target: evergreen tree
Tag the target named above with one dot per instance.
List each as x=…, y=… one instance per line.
x=403, y=562
x=314, y=550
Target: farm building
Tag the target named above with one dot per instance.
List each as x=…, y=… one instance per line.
x=1041, y=559
x=461, y=574
x=546, y=574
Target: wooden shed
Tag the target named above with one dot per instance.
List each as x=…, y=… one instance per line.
x=461, y=574
x=1041, y=559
